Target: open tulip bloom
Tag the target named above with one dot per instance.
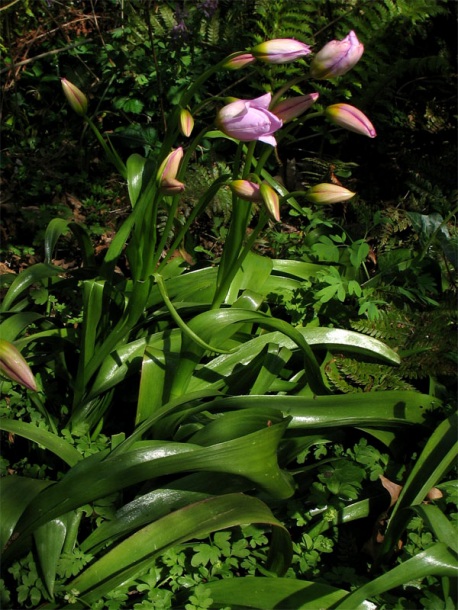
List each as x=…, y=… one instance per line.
x=249, y=120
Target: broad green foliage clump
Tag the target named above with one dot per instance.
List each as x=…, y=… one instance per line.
x=238, y=432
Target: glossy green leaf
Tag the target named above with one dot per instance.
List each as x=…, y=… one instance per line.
x=275, y=594
x=156, y=504
x=84, y=243
x=442, y=528
x=132, y=555
x=31, y=275
x=155, y=366
x=195, y=286
x=296, y=269
x=437, y=560
x=50, y=441
x=348, y=341
x=54, y=230
x=253, y=273
x=318, y=338
x=15, y=494
x=229, y=425
x=13, y=325
x=221, y=324
x=437, y=457
x=120, y=363
x=135, y=165
x=49, y=540
x=389, y=409
x=253, y=456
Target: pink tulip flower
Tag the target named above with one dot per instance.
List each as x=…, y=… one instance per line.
x=249, y=120
x=350, y=118
x=280, y=50
x=337, y=57
x=186, y=122
x=328, y=193
x=240, y=61
x=271, y=201
x=289, y=109
x=14, y=366
x=168, y=171
x=75, y=97
x=247, y=190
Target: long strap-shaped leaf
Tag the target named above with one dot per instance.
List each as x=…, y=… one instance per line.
x=51, y=441
x=438, y=455
x=216, y=323
x=438, y=560
x=35, y=273
x=391, y=408
x=138, y=551
x=253, y=456
x=276, y=593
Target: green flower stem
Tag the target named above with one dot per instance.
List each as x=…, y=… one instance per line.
x=186, y=98
x=223, y=289
x=241, y=213
x=109, y=149
x=184, y=102
x=73, y=523
x=174, y=205
x=180, y=322
x=148, y=238
x=300, y=121
x=201, y=205
x=284, y=89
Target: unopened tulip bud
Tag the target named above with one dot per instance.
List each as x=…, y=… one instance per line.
x=14, y=366
x=337, y=57
x=350, y=118
x=280, y=50
x=249, y=191
x=239, y=61
x=75, y=97
x=172, y=186
x=169, y=167
x=289, y=109
x=328, y=193
x=271, y=201
x=186, y=122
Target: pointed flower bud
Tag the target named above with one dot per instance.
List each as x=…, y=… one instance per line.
x=271, y=201
x=350, y=118
x=169, y=167
x=289, y=109
x=337, y=57
x=75, y=97
x=280, y=50
x=14, y=366
x=240, y=61
x=249, y=120
x=186, y=122
x=249, y=191
x=172, y=186
x=328, y=193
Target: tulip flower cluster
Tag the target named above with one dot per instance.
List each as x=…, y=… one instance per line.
x=259, y=119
